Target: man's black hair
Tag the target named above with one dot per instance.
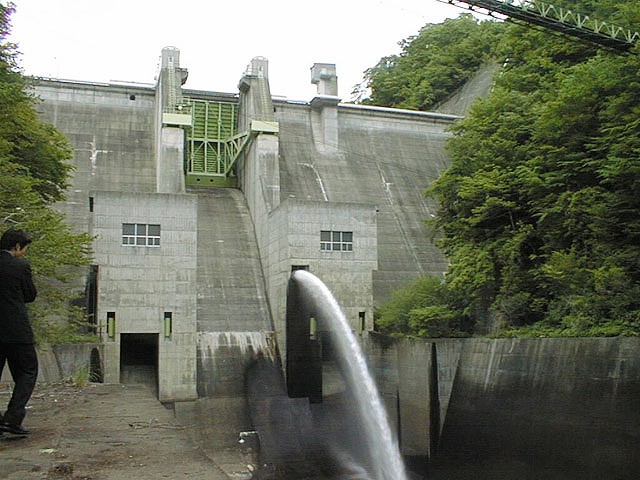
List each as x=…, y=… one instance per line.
x=12, y=238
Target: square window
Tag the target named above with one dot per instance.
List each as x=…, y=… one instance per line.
x=140, y=234
x=332, y=240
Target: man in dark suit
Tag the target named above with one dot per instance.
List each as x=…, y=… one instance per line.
x=17, y=343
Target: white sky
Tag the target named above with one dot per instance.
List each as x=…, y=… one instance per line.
x=106, y=40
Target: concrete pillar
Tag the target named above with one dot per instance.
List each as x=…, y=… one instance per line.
x=255, y=95
x=324, y=76
x=324, y=108
x=170, y=165
x=259, y=170
x=170, y=120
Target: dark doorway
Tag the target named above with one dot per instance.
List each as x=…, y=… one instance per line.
x=95, y=367
x=139, y=359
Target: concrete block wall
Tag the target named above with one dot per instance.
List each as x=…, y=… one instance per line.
x=347, y=274
x=139, y=284
x=294, y=242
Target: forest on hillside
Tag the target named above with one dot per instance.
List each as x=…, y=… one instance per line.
x=539, y=210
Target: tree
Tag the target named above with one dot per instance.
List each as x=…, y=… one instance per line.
x=432, y=65
x=24, y=140
x=422, y=309
x=33, y=175
x=538, y=213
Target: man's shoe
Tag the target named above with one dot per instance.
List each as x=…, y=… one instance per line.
x=15, y=429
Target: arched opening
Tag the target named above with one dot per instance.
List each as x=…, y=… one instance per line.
x=95, y=367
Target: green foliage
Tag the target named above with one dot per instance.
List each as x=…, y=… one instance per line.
x=33, y=174
x=80, y=377
x=422, y=309
x=38, y=147
x=432, y=65
x=542, y=185
x=540, y=212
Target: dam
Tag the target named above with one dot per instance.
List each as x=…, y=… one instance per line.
x=203, y=203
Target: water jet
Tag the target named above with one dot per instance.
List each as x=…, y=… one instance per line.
x=311, y=303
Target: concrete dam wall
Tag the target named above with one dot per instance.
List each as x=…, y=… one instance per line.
x=516, y=408
x=187, y=273
x=191, y=281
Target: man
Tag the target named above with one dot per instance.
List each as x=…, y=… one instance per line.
x=17, y=343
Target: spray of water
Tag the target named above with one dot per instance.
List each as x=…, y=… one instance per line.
x=384, y=455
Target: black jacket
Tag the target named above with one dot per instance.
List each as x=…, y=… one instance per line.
x=16, y=290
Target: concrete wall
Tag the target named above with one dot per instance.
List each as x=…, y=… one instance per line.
x=140, y=283
x=111, y=131
x=336, y=167
x=517, y=408
x=58, y=363
x=234, y=323
x=294, y=242
x=383, y=158
x=569, y=407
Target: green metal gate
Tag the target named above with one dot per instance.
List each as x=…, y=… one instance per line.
x=213, y=142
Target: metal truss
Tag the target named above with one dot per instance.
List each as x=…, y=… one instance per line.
x=560, y=19
x=213, y=143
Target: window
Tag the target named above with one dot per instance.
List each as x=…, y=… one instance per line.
x=140, y=235
x=336, y=241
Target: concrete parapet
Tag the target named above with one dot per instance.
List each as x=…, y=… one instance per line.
x=65, y=361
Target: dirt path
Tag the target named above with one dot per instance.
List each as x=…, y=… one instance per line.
x=107, y=432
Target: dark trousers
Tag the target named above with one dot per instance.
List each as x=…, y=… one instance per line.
x=23, y=365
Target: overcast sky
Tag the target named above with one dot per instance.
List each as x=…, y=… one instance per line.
x=107, y=40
